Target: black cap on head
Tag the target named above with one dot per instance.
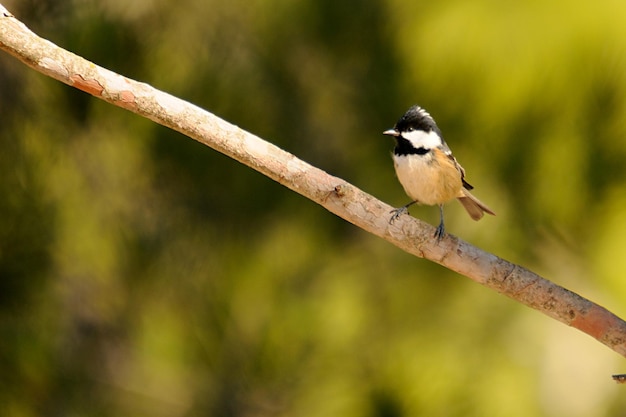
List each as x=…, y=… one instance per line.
x=416, y=118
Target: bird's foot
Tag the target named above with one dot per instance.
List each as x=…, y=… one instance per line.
x=440, y=232
x=397, y=213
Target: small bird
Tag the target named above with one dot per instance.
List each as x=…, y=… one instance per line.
x=427, y=170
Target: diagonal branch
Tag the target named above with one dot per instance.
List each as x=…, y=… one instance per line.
x=334, y=194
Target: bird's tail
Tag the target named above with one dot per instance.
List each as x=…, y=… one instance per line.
x=475, y=208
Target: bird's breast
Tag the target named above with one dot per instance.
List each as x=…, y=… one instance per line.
x=427, y=179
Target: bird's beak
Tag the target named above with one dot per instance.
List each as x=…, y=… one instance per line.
x=391, y=132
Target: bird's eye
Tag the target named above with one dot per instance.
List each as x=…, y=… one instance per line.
x=410, y=129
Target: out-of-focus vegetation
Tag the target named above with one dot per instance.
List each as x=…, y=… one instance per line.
x=144, y=274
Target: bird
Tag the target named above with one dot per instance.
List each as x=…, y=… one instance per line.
x=427, y=170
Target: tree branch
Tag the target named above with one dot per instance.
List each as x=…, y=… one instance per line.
x=334, y=194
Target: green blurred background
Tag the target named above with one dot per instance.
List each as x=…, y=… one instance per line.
x=143, y=274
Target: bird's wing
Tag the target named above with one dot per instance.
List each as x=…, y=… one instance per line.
x=458, y=166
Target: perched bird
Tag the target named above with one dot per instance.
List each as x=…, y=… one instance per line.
x=426, y=168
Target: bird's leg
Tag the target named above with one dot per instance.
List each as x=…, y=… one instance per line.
x=441, y=230
x=400, y=211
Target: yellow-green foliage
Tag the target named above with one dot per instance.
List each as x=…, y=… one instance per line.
x=143, y=274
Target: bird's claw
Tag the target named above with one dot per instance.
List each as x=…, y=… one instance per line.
x=440, y=232
x=397, y=213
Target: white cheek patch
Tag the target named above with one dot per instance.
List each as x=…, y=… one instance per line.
x=422, y=139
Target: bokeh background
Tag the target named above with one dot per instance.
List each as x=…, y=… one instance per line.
x=144, y=274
